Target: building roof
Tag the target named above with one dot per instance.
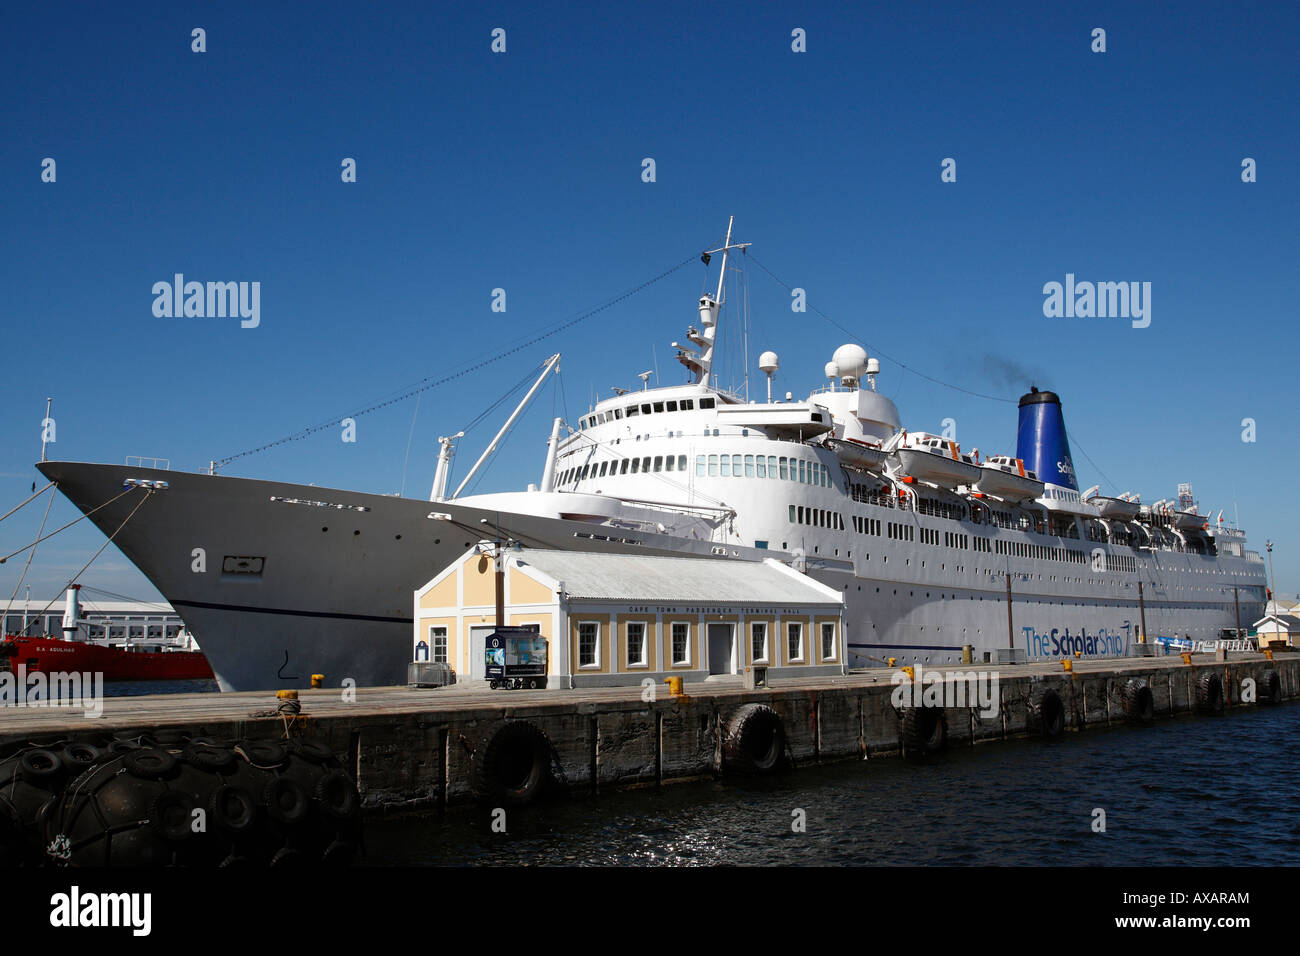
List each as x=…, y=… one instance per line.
x=1288, y=621
x=635, y=577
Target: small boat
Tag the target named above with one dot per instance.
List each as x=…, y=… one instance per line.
x=1005, y=477
x=936, y=461
x=1125, y=507
x=858, y=453
x=140, y=661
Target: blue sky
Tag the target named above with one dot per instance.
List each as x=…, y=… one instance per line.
x=522, y=171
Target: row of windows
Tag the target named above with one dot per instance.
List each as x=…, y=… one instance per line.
x=763, y=466
x=864, y=525
x=644, y=408
x=900, y=532
x=628, y=466
x=635, y=652
x=816, y=517
x=1023, y=549
x=794, y=651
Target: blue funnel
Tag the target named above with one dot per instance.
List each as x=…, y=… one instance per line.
x=1041, y=441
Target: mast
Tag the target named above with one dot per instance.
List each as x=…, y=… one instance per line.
x=701, y=363
x=442, y=472
x=492, y=446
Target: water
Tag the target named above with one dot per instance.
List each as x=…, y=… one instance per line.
x=1189, y=791
x=143, y=687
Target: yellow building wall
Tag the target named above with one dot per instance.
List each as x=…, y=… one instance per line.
x=524, y=590
x=479, y=572
x=453, y=638
x=443, y=594
x=651, y=638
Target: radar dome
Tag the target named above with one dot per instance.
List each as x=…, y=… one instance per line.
x=767, y=362
x=851, y=359
x=832, y=370
x=873, y=366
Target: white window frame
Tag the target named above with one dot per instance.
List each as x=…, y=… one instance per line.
x=645, y=644
x=835, y=644
x=595, y=665
x=433, y=645
x=792, y=658
x=672, y=646
x=764, y=659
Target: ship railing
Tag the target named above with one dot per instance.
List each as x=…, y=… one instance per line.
x=143, y=461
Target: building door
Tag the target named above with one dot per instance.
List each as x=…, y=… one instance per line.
x=721, y=649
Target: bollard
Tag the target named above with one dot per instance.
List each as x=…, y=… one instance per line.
x=317, y=680
x=1067, y=664
x=286, y=695
x=1268, y=654
x=892, y=660
x=1187, y=658
x=909, y=671
x=674, y=686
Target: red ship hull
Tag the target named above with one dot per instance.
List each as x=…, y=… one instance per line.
x=50, y=654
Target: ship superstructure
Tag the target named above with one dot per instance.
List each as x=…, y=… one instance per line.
x=927, y=542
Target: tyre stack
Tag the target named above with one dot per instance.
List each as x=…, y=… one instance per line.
x=163, y=798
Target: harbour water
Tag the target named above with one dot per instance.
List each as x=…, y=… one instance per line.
x=1187, y=792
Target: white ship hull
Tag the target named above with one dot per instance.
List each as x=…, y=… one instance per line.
x=338, y=602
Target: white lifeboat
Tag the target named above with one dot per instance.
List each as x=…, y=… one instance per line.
x=936, y=460
x=1005, y=477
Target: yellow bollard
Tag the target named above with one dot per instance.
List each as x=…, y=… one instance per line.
x=317, y=680
x=1187, y=658
x=1067, y=664
x=674, y=686
x=910, y=672
x=286, y=695
x=892, y=660
x=1078, y=654
x=1268, y=653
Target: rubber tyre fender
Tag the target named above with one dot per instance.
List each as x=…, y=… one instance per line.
x=1269, y=688
x=1047, y=713
x=312, y=750
x=337, y=796
x=513, y=766
x=338, y=853
x=925, y=729
x=1139, y=701
x=149, y=763
x=1209, y=694
x=80, y=755
x=266, y=754
x=755, y=741
x=210, y=758
x=233, y=809
x=172, y=815
x=286, y=801
x=40, y=766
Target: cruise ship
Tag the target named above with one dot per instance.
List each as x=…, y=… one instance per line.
x=934, y=548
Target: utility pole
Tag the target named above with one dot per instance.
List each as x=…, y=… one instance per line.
x=1011, y=634
x=1142, y=614
x=1272, y=581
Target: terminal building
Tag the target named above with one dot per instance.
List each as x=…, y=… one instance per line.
x=615, y=619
